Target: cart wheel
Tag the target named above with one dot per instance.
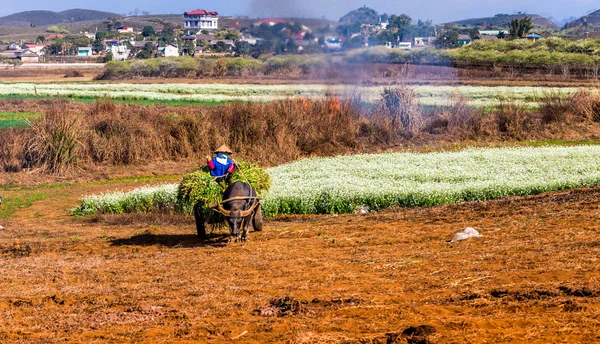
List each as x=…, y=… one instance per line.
x=257, y=222
x=200, y=221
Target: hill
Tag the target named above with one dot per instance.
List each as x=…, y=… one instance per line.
x=588, y=19
x=363, y=15
x=41, y=18
x=503, y=20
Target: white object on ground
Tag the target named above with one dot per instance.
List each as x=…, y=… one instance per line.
x=1, y=227
x=469, y=232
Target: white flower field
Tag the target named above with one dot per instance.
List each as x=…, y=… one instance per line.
x=428, y=94
x=376, y=181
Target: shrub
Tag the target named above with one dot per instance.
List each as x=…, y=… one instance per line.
x=56, y=140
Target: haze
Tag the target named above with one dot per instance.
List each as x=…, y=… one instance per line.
x=437, y=10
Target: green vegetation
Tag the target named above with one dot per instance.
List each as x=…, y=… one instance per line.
x=22, y=201
x=200, y=187
x=195, y=187
x=16, y=119
x=119, y=100
x=58, y=29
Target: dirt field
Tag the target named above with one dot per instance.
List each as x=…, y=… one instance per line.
x=532, y=277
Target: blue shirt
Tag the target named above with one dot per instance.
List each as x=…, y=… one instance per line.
x=222, y=164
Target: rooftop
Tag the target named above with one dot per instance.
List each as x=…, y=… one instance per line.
x=201, y=12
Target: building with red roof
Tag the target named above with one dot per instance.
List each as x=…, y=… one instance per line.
x=200, y=20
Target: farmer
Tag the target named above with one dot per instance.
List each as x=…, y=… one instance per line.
x=221, y=166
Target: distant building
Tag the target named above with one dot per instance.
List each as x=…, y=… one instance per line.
x=249, y=39
x=54, y=36
x=464, y=40
x=89, y=35
x=170, y=50
x=36, y=48
x=29, y=57
x=200, y=20
x=120, y=52
x=405, y=45
x=533, y=36
x=125, y=29
x=270, y=22
x=423, y=41
x=84, y=51
x=492, y=32
x=333, y=44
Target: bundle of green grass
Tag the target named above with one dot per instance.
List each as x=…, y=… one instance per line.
x=200, y=187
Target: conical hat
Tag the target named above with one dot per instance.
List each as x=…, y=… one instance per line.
x=223, y=149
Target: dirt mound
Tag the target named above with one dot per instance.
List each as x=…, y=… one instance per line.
x=412, y=335
x=283, y=307
x=289, y=306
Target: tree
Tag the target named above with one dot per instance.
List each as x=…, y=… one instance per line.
x=448, y=39
x=520, y=27
x=97, y=46
x=101, y=35
x=400, y=24
x=108, y=57
x=242, y=48
x=41, y=39
x=148, y=31
x=363, y=15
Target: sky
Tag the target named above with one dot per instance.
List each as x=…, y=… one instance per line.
x=439, y=11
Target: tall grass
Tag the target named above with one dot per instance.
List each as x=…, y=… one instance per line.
x=277, y=132
x=56, y=139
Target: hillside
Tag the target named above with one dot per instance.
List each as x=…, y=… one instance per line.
x=589, y=19
x=41, y=18
x=503, y=20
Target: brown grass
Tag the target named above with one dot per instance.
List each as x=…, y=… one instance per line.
x=107, y=133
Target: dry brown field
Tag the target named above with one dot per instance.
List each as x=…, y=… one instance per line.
x=387, y=277
x=532, y=277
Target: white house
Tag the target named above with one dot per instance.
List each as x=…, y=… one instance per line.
x=120, y=52
x=125, y=29
x=170, y=50
x=36, y=48
x=200, y=20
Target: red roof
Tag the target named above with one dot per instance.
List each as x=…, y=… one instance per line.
x=201, y=12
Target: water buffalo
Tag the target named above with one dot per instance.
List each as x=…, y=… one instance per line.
x=241, y=208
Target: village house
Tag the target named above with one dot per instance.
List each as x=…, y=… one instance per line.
x=493, y=33
x=120, y=52
x=14, y=46
x=84, y=51
x=29, y=56
x=54, y=36
x=39, y=49
x=170, y=50
x=464, y=40
x=423, y=41
x=125, y=29
x=249, y=39
x=200, y=20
